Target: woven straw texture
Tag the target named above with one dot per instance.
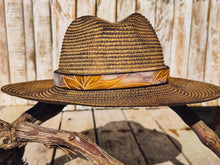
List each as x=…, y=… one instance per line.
x=177, y=92
x=93, y=46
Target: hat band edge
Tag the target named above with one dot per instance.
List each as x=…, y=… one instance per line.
x=111, y=81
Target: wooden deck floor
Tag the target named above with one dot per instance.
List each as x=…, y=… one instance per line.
x=138, y=136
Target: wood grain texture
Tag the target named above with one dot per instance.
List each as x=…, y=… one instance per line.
x=85, y=7
x=181, y=38
x=29, y=39
x=115, y=137
x=79, y=121
x=154, y=142
x=15, y=38
x=42, y=155
x=148, y=9
x=164, y=27
x=125, y=8
x=191, y=147
x=4, y=67
x=212, y=67
x=42, y=34
x=106, y=10
x=63, y=13
x=198, y=40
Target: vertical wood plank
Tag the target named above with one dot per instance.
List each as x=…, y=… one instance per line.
x=42, y=33
x=181, y=38
x=115, y=137
x=79, y=121
x=125, y=8
x=29, y=39
x=147, y=8
x=212, y=67
x=198, y=40
x=16, y=44
x=106, y=10
x=85, y=7
x=63, y=13
x=164, y=27
x=4, y=68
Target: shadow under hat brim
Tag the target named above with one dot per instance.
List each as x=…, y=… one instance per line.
x=176, y=92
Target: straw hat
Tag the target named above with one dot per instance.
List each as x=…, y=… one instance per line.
x=113, y=64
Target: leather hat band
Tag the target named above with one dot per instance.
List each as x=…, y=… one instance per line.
x=111, y=81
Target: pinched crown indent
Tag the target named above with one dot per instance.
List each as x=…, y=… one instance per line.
x=92, y=46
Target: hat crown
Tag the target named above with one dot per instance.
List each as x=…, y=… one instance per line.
x=92, y=46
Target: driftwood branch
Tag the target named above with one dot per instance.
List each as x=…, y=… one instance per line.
x=26, y=129
x=73, y=141
x=37, y=115
x=206, y=135
x=12, y=151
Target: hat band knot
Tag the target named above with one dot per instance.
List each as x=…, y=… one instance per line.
x=111, y=81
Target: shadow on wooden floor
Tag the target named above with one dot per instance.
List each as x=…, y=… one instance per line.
x=133, y=146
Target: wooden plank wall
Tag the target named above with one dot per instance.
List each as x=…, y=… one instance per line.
x=32, y=31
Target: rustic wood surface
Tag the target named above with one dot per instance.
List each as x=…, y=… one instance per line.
x=191, y=147
x=147, y=9
x=85, y=7
x=149, y=136
x=116, y=137
x=125, y=8
x=4, y=69
x=107, y=10
x=212, y=69
x=43, y=39
x=29, y=39
x=72, y=121
x=15, y=38
x=164, y=27
x=181, y=37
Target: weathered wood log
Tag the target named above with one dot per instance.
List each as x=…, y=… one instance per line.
x=72, y=141
x=206, y=135
x=25, y=129
x=37, y=114
x=14, y=153
x=75, y=142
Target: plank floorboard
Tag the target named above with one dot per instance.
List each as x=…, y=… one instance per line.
x=154, y=142
x=79, y=121
x=131, y=135
x=38, y=154
x=191, y=146
x=115, y=137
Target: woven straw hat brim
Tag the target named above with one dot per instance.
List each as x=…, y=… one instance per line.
x=176, y=92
